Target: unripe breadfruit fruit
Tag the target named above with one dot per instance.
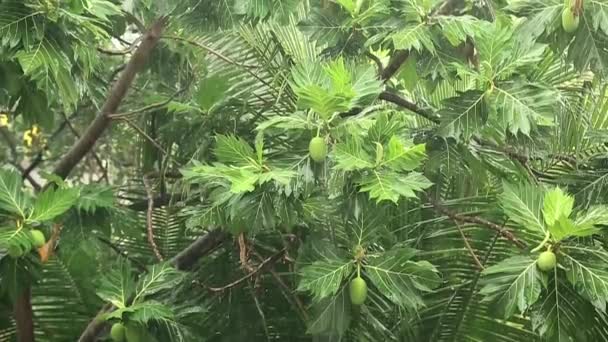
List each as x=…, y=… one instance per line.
x=37, y=238
x=546, y=261
x=134, y=333
x=569, y=20
x=317, y=149
x=118, y=332
x=358, y=291
x=15, y=252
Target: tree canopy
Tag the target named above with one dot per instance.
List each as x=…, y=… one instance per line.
x=303, y=170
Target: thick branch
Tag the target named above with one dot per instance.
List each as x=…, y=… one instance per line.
x=377, y=61
x=23, y=308
x=401, y=102
x=24, y=317
x=118, y=92
x=394, y=64
x=98, y=160
x=182, y=261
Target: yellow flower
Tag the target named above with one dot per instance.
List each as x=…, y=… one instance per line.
x=33, y=136
x=27, y=138
x=35, y=131
x=3, y=120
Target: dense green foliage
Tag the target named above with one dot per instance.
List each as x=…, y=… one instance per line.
x=359, y=170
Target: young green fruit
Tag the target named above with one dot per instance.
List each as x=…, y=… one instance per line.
x=117, y=332
x=569, y=20
x=317, y=149
x=15, y=252
x=546, y=261
x=37, y=238
x=358, y=291
x=134, y=333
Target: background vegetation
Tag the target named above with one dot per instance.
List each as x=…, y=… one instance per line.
x=162, y=148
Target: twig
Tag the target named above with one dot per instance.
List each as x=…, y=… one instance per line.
x=243, y=252
x=114, y=52
x=144, y=134
x=468, y=246
x=252, y=272
x=140, y=110
x=149, y=222
x=141, y=267
x=115, y=72
x=159, y=201
x=291, y=297
x=123, y=52
x=29, y=177
x=210, y=50
x=480, y=221
x=12, y=145
x=147, y=108
x=247, y=68
x=377, y=61
x=261, y=312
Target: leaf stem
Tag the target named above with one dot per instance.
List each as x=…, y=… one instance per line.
x=544, y=242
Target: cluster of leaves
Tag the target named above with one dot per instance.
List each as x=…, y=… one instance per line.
x=26, y=213
x=119, y=288
x=491, y=94
x=517, y=285
x=47, y=56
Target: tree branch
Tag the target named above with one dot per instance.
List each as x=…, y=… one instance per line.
x=143, y=134
x=141, y=267
x=210, y=50
x=149, y=107
x=182, y=261
x=394, y=64
x=23, y=308
x=98, y=160
x=469, y=247
x=401, y=102
x=377, y=61
x=24, y=317
x=149, y=222
x=118, y=92
x=269, y=260
x=480, y=221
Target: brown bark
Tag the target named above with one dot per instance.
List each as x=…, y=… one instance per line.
x=117, y=94
x=394, y=64
x=24, y=316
